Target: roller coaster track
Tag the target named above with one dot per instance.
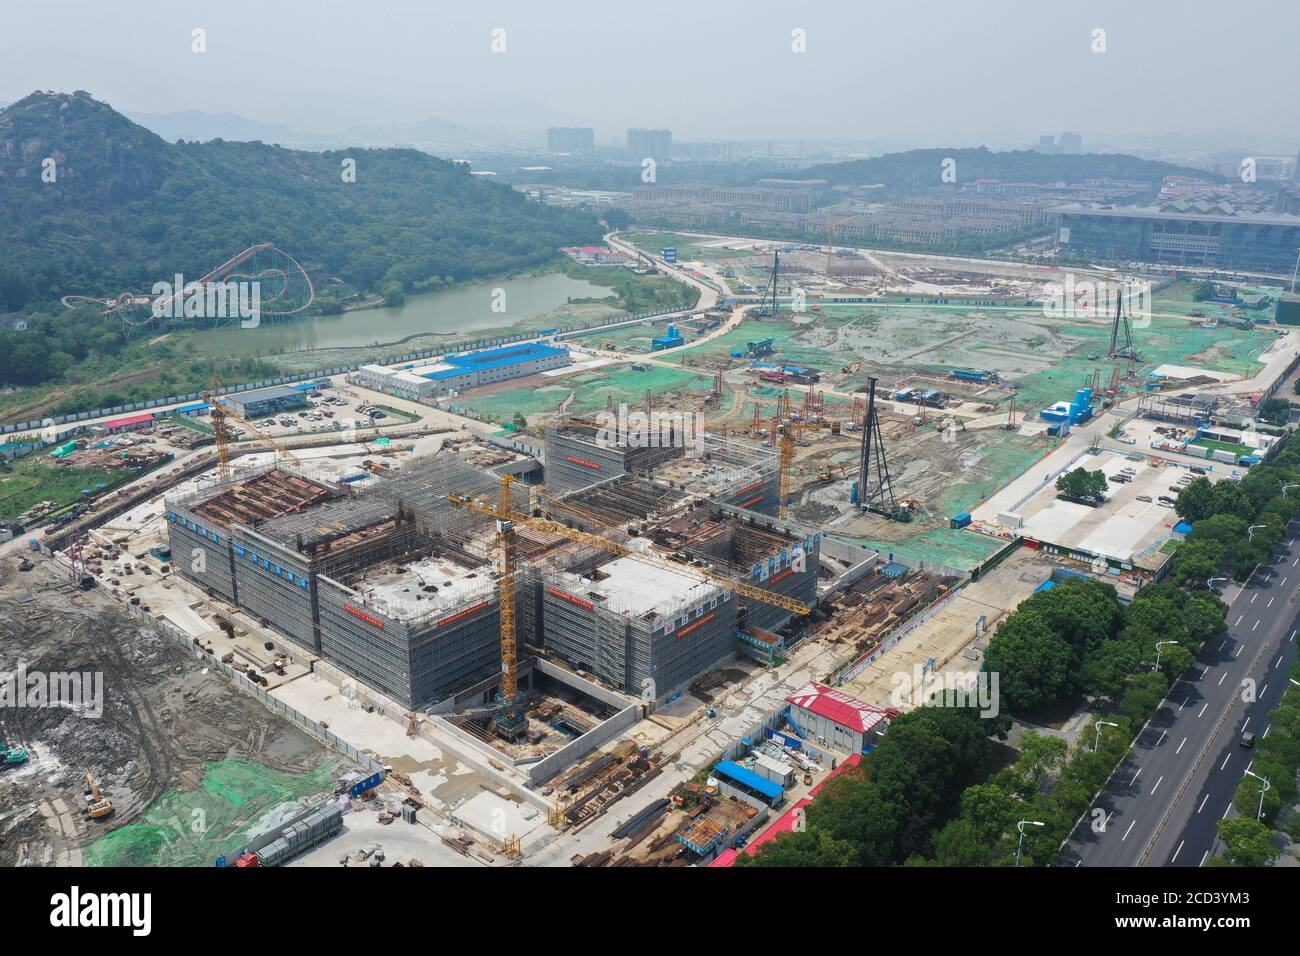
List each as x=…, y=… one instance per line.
x=125, y=304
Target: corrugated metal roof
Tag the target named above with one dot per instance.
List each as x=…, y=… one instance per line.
x=495, y=358
x=748, y=778
x=837, y=706
x=270, y=393
x=129, y=420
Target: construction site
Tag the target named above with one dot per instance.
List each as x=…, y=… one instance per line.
x=165, y=740
x=588, y=638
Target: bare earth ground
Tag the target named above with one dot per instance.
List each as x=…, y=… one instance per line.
x=165, y=723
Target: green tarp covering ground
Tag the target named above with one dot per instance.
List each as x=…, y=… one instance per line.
x=236, y=800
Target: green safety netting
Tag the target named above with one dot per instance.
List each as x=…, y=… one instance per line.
x=236, y=801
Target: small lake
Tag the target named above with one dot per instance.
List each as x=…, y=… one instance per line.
x=466, y=308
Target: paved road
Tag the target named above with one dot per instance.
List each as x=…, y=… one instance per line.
x=1162, y=803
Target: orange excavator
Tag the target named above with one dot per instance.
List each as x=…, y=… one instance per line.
x=96, y=805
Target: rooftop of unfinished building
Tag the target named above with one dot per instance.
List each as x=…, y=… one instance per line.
x=257, y=498
x=709, y=474
x=416, y=588
x=330, y=520
x=632, y=587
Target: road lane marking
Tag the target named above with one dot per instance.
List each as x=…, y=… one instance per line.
x=1180, y=747
x=1162, y=737
x=1234, y=656
x=1279, y=660
x=1135, y=777
x=1225, y=761
x=1202, y=713
x=1239, y=617
x=1269, y=604
x=1221, y=677
x=1267, y=729
x=1203, y=856
x=1176, y=852
x=1225, y=812
x=1127, y=832
x=1264, y=691
x=1203, y=802
x=1253, y=596
x=1253, y=629
x=1243, y=727
x=1157, y=786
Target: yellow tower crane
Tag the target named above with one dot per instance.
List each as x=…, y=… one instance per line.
x=789, y=435
x=510, y=721
x=221, y=432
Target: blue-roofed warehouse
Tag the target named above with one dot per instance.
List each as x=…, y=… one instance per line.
x=735, y=781
x=471, y=369
x=455, y=373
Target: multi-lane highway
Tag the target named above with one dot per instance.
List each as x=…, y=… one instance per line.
x=1162, y=803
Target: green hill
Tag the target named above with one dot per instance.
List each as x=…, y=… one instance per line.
x=918, y=169
x=128, y=209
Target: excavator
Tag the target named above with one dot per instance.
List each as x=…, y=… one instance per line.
x=11, y=754
x=96, y=805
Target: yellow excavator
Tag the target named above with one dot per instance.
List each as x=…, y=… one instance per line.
x=96, y=805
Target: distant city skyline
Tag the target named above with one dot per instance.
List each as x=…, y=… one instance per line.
x=922, y=74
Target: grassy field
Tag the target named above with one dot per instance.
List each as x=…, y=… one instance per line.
x=31, y=480
x=688, y=247
x=590, y=390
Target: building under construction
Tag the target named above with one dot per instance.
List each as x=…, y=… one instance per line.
x=730, y=470
x=396, y=582
x=393, y=585
x=628, y=619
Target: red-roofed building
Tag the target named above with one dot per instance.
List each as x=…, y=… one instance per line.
x=834, y=719
x=126, y=424
x=786, y=822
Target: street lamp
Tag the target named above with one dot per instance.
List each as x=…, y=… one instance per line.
x=1209, y=582
x=1098, y=725
x=1158, y=643
x=1250, y=532
x=1021, y=827
x=1285, y=487
x=1263, y=790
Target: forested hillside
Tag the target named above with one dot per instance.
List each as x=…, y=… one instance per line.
x=127, y=209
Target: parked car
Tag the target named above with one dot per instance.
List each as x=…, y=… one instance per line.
x=1247, y=739
x=1146, y=498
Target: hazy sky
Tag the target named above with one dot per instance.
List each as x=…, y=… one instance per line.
x=929, y=71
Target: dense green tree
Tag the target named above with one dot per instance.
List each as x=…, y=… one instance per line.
x=813, y=847
x=1033, y=664
x=1143, y=695
x=1275, y=411
x=959, y=844
x=1194, y=502
x=1248, y=842
x=1082, y=485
